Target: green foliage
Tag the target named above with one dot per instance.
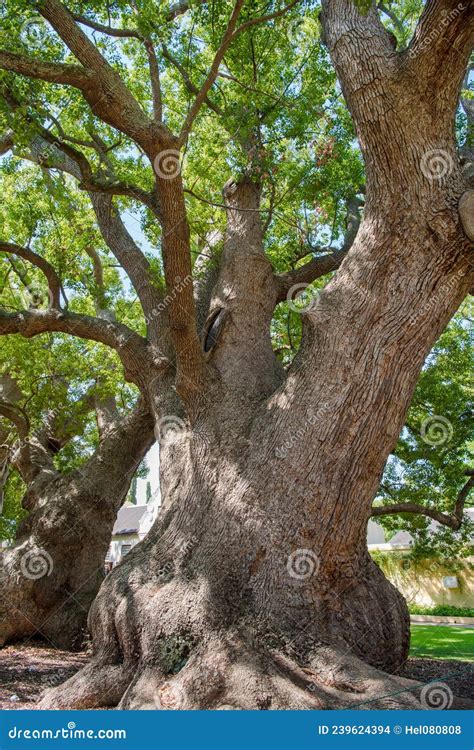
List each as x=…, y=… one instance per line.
x=132, y=495
x=282, y=119
x=12, y=512
x=441, y=610
x=436, y=445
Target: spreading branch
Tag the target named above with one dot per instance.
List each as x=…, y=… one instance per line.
x=70, y=75
x=53, y=152
x=132, y=349
x=322, y=264
x=453, y=520
x=191, y=87
x=131, y=258
x=154, y=80
x=230, y=34
x=101, y=85
x=54, y=283
x=309, y=272
x=227, y=40
x=441, y=45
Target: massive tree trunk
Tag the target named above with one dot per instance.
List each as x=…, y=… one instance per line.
x=254, y=589
x=50, y=576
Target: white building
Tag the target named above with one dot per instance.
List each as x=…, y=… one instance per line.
x=132, y=525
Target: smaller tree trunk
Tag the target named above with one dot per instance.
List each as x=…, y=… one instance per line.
x=50, y=576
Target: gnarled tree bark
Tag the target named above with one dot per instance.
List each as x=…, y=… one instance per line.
x=255, y=589
x=51, y=574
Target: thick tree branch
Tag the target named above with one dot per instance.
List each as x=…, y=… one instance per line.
x=71, y=75
x=105, y=92
x=118, y=442
x=440, y=47
x=453, y=521
x=6, y=142
x=54, y=283
x=320, y=266
x=154, y=80
x=17, y=417
x=308, y=273
x=227, y=39
x=106, y=29
x=132, y=349
x=131, y=258
x=107, y=414
x=20, y=454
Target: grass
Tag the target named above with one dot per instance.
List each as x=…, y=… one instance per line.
x=442, y=642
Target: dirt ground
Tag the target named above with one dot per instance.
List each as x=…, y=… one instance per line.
x=459, y=675
x=28, y=669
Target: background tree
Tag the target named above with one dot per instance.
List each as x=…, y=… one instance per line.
x=264, y=596
x=71, y=452
x=132, y=497
x=431, y=473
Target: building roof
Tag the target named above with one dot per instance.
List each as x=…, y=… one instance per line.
x=403, y=539
x=128, y=519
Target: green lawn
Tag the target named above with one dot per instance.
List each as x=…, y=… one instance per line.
x=442, y=642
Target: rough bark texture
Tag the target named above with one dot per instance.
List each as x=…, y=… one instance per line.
x=254, y=589
x=50, y=576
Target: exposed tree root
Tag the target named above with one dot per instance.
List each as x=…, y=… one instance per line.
x=229, y=673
